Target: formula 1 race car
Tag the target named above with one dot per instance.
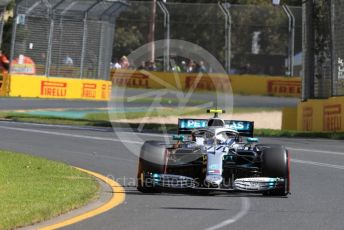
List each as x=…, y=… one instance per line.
x=211, y=155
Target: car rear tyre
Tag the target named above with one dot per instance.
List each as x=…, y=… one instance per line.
x=152, y=160
x=275, y=163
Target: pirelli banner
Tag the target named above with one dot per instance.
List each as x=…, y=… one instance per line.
x=240, y=84
x=324, y=115
x=59, y=88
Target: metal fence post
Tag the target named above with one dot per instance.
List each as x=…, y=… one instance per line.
x=2, y=19
x=14, y=33
x=167, y=35
x=84, y=41
x=292, y=42
x=106, y=25
x=334, y=77
x=52, y=34
x=84, y=38
x=50, y=42
x=101, y=48
x=291, y=32
x=228, y=30
x=308, y=50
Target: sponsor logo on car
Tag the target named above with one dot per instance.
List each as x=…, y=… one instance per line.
x=332, y=117
x=193, y=123
x=284, y=87
x=307, y=118
x=89, y=90
x=53, y=89
x=137, y=80
x=207, y=83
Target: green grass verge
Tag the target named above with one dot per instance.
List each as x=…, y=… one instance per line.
x=33, y=189
x=164, y=112
x=54, y=120
x=149, y=100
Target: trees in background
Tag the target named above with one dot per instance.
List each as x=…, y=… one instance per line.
x=204, y=25
x=7, y=32
x=133, y=27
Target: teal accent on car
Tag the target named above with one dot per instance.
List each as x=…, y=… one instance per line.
x=178, y=137
x=252, y=140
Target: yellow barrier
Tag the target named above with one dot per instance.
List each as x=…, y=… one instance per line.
x=64, y=88
x=289, y=119
x=321, y=115
x=240, y=84
x=3, y=84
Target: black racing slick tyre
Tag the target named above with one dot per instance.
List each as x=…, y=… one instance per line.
x=276, y=163
x=152, y=160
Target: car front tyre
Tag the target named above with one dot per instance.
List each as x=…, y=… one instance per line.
x=276, y=164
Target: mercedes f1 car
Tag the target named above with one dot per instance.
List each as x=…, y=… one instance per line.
x=214, y=155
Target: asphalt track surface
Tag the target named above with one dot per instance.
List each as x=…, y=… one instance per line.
x=316, y=202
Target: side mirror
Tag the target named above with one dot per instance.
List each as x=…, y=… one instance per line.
x=252, y=140
x=276, y=2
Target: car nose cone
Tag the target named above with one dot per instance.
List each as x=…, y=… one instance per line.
x=213, y=181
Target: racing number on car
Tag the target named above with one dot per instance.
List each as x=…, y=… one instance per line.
x=219, y=148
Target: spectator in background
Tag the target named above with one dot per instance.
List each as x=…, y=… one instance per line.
x=234, y=71
x=191, y=68
x=68, y=60
x=91, y=61
x=42, y=58
x=117, y=65
x=175, y=67
x=151, y=66
x=183, y=66
x=246, y=69
x=123, y=63
x=112, y=65
x=201, y=67
x=23, y=65
x=4, y=63
x=142, y=66
x=159, y=66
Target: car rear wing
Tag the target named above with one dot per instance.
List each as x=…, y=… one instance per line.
x=244, y=128
x=187, y=125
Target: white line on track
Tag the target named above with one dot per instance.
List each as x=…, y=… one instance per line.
x=316, y=151
x=161, y=135
x=245, y=207
x=71, y=135
x=89, y=128
x=318, y=164
x=57, y=126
